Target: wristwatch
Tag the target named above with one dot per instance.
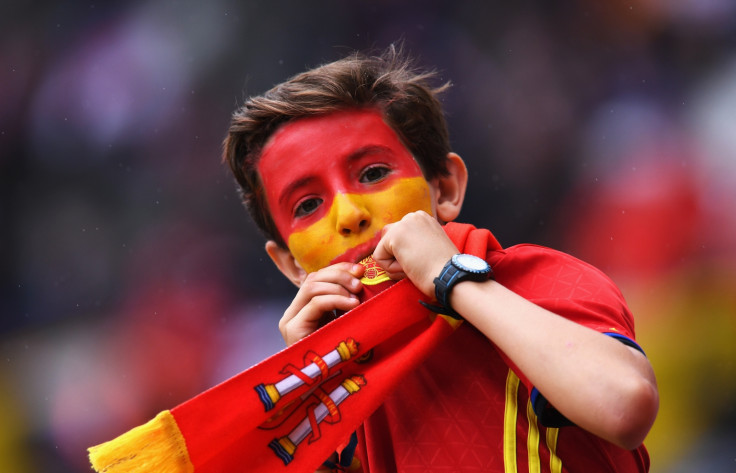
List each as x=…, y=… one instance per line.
x=461, y=267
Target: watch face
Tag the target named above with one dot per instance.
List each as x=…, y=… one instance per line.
x=470, y=263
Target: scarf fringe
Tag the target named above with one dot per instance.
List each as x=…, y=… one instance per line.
x=157, y=445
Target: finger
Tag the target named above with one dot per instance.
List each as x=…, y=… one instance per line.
x=328, y=303
x=344, y=275
x=383, y=255
x=311, y=317
x=386, y=260
x=319, y=289
x=354, y=269
x=386, y=228
x=397, y=275
x=312, y=312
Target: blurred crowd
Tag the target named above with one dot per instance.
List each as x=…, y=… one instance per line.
x=132, y=279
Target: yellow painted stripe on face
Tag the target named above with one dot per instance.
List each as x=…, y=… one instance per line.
x=555, y=462
x=532, y=440
x=316, y=245
x=509, y=423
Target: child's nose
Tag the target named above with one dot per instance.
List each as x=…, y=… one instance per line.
x=352, y=216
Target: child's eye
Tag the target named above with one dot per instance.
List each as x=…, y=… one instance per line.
x=374, y=173
x=307, y=206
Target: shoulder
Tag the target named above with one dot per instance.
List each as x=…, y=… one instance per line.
x=563, y=284
x=540, y=267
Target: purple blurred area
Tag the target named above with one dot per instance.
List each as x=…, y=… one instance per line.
x=132, y=279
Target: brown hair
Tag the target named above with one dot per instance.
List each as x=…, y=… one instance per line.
x=387, y=82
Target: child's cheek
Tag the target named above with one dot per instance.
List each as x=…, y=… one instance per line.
x=313, y=246
x=408, y=195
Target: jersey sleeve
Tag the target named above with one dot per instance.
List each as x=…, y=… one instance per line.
x=569, y=288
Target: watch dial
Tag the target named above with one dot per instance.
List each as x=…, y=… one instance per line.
x=472, y=263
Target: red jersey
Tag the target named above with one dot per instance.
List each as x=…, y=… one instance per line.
x=467, y=409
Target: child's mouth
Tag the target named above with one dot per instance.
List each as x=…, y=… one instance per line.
x=358, y=253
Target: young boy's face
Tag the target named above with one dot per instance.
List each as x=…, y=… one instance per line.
x=332, y=183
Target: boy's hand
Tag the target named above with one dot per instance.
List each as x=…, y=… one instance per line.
x=321, y=292
x=415, y=247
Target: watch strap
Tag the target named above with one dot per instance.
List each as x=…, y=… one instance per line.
x=442, y=310
x=445, y=282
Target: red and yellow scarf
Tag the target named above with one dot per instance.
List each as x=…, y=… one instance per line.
x=291, y=411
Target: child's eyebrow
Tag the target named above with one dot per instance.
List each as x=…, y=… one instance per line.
x=294, y=186
x=368, y=150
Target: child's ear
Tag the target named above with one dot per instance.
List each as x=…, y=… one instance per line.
x=286, y=263
x=450, y=189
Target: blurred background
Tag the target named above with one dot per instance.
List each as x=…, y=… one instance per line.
x=131, y=278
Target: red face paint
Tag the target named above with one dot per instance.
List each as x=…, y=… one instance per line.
x=333, y=181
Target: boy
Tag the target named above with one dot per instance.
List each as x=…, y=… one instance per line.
x=352, y=159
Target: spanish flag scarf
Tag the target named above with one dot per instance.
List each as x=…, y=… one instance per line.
x=291, y=411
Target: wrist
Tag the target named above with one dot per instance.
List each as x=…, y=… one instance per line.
x=461, y=267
